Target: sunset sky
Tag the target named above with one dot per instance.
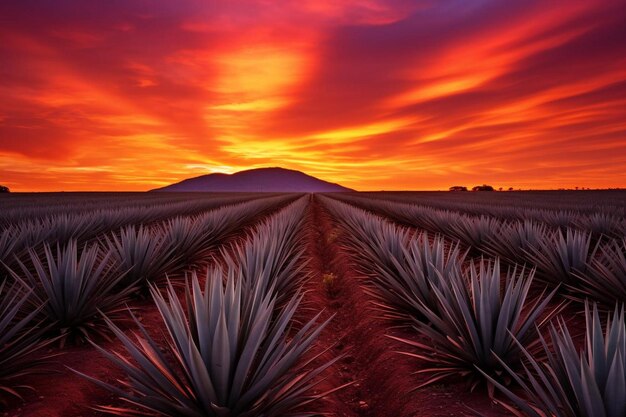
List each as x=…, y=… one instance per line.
x=131, y=95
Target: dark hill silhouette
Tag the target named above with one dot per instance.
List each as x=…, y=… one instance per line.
x=257, y=180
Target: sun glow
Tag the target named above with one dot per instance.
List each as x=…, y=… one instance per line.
x=373, y=95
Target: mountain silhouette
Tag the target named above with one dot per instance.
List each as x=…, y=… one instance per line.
x=257, y=180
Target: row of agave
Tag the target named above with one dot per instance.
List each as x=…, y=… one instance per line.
x=18, y=239
x=569, y=259
x=117, y=214
x=609, y=223
x=18, y=209
x=234, y=347
x=579, y=210
x=485, y=328
x=64, y=293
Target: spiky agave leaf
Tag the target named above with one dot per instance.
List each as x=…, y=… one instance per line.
x=475, y=231
x=272, y=256
x=15, y=239
x=224, y=356
x=515, y=240
x=561, y=219
x=559, y=257
x=440, y=221
x=379, y=249
x=378, y=246
x=74, y=287
x=404, y=280
x=188, y=237
x=66, y=227
x=374, y=241
x=409, y=286
x=7, y=243
x=600, y=224
x=184, y=238
x=574, y=383
x=605, y=277
x=142, y=253
x=21, y=340
x=402, y=269
x=475, y=319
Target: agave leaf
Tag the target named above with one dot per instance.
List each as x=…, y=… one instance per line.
x=604, y=278
x=475, y=320
x=559, y=257
x=141, y=252
x=572, y=383
x=615, y=390
x=231, y=349
x=21, y=338
x=208, y=382
x=73, y=287
x=403, y=269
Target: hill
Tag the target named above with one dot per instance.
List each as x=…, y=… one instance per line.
x=257, y=180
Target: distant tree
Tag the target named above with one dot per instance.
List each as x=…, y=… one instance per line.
x=483, y=187
x=500, y=189
x=458, y=188
x=4, y=189
x=510, y=188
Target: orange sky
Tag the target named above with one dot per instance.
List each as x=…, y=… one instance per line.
x=122, y=95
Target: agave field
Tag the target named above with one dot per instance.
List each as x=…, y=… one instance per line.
x=342, y=304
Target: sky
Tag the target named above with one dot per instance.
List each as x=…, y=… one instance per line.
x=421, y=95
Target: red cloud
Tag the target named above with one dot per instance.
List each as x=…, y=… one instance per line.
x=371, y=94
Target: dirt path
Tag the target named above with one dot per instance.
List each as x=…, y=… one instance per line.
x=380, y=378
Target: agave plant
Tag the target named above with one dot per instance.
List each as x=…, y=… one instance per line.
x=15, y=239
x=373, y=240
x=272, y=256
x=7, y=243
x=475, y=231
x=74, y=287
x=439, y=221
x=403, y=279
x=600, y=224
x=561, y=219
x=571, y=383
x=376, y=242
x=65, y=227
x=189, y=236
x=559, y=257
x=402, y=268
x=20, y=339
x=143, y=254
x=219, y=223
x=184, y=238
x=515, y=240
x=423, y=264
x=605, y=277
x=224, y=357
x=477, y=321
x=377, y=245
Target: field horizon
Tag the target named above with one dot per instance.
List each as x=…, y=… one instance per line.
x=278, y=179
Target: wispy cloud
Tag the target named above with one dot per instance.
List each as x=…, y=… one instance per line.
x=372, y=94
